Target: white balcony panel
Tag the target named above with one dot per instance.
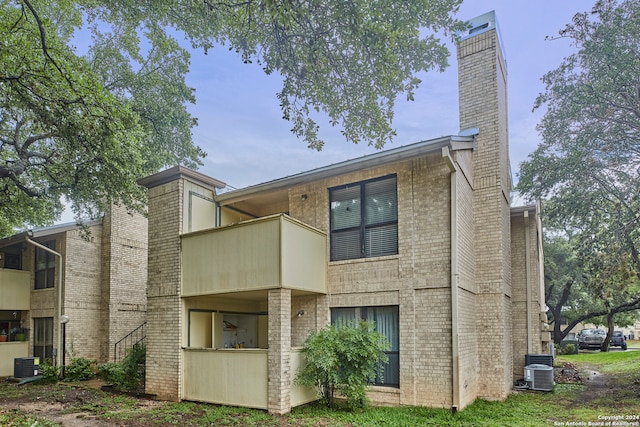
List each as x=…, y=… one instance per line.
x=15, y=289
x=300, y=394
x=235, y=377
x=265, y=253
x=9, y=351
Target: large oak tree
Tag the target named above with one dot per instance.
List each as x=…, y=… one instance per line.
x=83, y=123
x=588, y=165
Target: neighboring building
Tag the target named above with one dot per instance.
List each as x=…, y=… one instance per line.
x=104, y=275
x=419, y=238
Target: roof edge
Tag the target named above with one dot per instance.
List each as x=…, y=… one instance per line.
x=406, y=152
x=50, y=230
x=517, y=210
x=178, y=172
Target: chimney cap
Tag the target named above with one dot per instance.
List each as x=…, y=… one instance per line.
x=479, y=25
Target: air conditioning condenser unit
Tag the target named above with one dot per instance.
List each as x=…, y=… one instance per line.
x=24, y=367
x=539, y=377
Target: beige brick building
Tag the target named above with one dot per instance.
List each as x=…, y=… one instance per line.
x=421, y=239
x=103, y=292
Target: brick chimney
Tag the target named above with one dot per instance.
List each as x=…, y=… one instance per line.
x=482, y=77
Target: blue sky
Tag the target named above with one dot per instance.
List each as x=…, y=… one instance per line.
x=247, y=142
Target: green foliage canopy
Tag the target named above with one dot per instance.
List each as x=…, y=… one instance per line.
x=86, y=125
x=588, y=165
x=343, y=359
x=573, y=295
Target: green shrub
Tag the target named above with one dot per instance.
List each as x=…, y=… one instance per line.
x=127, y=375
x=343, y=359
x=569, y=349
x=80, y=369
x=112, y=373
x=50, y=373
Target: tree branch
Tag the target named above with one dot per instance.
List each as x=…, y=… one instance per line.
x=43, y=40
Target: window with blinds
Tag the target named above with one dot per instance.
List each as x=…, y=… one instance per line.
x=387, y=323
x=364, y=219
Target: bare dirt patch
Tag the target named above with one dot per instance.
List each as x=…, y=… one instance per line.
x=597, y=384
x=68, y=405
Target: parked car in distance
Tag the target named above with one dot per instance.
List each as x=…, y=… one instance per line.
x=591, y=338
x=618, y=340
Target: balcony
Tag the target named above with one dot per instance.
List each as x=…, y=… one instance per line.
x=265, y=253
x=15, y=289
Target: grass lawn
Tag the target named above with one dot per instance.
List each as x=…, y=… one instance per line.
x=615, y=393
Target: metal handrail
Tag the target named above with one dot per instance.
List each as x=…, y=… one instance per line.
x=121, y=347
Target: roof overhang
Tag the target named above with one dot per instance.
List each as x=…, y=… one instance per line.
x=43, y=232
x=406, y=152
x=520, y=210
x=178, y=172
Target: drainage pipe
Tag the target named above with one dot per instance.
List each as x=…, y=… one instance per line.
x=527, y=263
x=455, y=357
x=59, y=317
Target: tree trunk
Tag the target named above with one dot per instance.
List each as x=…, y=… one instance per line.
x=558, y=333
x=611, y=326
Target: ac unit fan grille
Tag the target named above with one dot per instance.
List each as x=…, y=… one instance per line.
x=539, y=377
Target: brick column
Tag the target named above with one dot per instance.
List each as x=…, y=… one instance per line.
x=279, y=351
x=163, y=292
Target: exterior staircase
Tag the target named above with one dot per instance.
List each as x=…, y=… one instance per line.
x=122, y=347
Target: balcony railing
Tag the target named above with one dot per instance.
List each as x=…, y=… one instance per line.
x=15, y=289
x=265, y=253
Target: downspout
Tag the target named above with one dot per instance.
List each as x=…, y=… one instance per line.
x=59, y=317
x=455, y=358
x=527, y=262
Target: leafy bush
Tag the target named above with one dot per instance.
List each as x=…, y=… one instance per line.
x=569, y=349
x=80, y=369
x=129, y=374
x=343, y=359
x=50, y=373
x=112, y=373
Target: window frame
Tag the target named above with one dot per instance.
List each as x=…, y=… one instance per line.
x=364, y=313
x=365, y=227
x=43, y=330
x=44, y=277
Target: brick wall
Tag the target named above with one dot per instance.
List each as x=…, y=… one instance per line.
x=163, y=371
x=302, y=325
x=124, y=291
x=467, y=287
x=82, y=295
x=98, y=263
x=467, y=347
x=523, y=231
x=417, y=279
x=432, y=334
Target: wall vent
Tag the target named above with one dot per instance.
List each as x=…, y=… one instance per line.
x=479, y=25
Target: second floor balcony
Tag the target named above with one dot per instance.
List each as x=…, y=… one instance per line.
x=265, y=253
